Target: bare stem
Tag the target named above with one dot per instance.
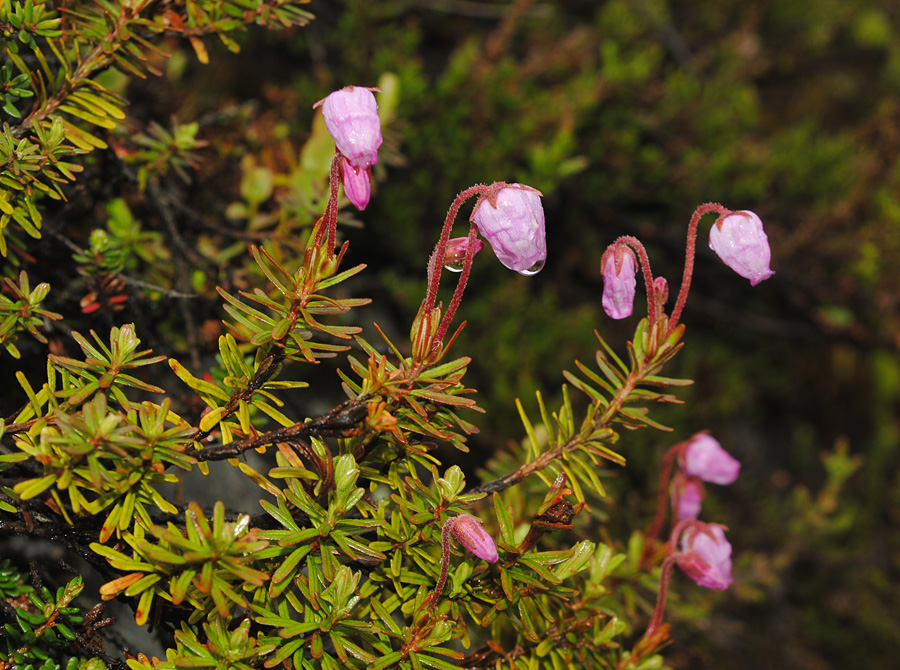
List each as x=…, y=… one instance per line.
x=689, y=256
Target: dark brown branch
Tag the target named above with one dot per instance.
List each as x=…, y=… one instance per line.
x=342, y=421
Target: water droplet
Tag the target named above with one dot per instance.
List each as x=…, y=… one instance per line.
x=534, y=269
x=456, y=265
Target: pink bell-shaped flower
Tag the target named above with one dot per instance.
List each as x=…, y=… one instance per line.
x=514, y=227
x=742, y=244
x=705, y=555
x=705, y=459
x=687, y=495
x=357, y=184
x=351, y=116
x=619, y=282
x=468, y=532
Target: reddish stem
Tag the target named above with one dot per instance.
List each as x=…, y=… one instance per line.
x=436, y=262
x=635, y=244
x=335, y=179
x=662, y=499
x=460, y=285
x=665, y=577
x=431, y=603
x=690, y=253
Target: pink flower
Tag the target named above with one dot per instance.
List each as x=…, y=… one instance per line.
x=468, y=532
x=455, y=255
x=357, y=184
x=742, y=244
x=687, y=495
x=705, y=459
x=705, y=555
x=619, y=281
x=351, y=116
x=513, y=224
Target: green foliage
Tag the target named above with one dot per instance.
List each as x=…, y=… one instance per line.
x=45, y=629
x=22, y=311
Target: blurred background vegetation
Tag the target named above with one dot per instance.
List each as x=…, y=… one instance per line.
x=627, y=115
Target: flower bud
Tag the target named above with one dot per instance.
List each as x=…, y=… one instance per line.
x=357, y=184
x=705, y=555
x=742, y=244
x=705, y=459
x=468, y=532
x=619, y=282
x=661, y=290
x=686, y=494
x=514, y=227
x=351, y=116
x=455, y=254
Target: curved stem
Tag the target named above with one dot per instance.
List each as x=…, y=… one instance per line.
x=436, y=261
x=689, y=258
x=635, y=244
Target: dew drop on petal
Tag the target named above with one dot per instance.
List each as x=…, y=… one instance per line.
x=534, y=269
x=456, y=265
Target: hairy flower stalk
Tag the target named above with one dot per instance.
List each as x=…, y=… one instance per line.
x=515, y=231
x=745, y=251
x=468, y=532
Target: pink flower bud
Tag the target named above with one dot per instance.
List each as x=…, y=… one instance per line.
x=705, y=459
x=468, y=532
x=705, y=555
x=661, y=290
x=455, y=255
x=742, y=244
x=687, y=495
x=514, y=227
x=619, y=281
x=357, y=184
x=351, y=116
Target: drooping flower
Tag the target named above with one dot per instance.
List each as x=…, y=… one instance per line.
x=705, y=459
x=351, y=116
x=513, y=224
x=357, y=184
x=705, y=555
x=742, y=244
x=468, y=532
x=455, y=255
x=686, y=494
x=619, y=282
